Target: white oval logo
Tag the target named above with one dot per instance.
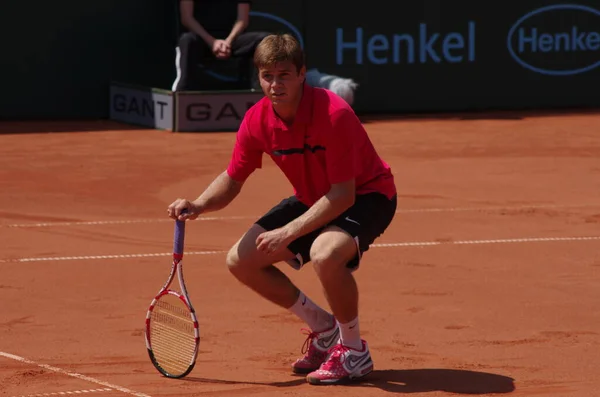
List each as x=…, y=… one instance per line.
x=282, y=21
x=566, y=40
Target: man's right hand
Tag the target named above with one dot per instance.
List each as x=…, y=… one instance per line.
x=174, y=210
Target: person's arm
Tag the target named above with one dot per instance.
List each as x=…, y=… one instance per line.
x=341, y=161
x=186, y=11
x=243, y=18
x=246, y=157
x=340, y=197
x=218, y=194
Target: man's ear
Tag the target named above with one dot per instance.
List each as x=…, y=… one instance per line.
x=302, y=72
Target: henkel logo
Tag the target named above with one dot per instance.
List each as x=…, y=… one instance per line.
x=558, y=40
x=425, y=46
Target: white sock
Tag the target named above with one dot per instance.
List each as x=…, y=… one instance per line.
x=350, y=334
x=317, y=319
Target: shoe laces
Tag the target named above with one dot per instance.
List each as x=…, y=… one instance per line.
x=310, y=336
x=336, y=354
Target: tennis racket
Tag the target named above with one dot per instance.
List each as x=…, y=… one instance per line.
x=172, y=332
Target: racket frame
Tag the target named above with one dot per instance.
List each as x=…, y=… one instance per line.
x=176, y=268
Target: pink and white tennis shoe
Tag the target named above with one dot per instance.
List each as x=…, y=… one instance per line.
x=343, y=364
x=315, y=349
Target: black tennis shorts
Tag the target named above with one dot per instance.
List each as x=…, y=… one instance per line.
x=366, y=220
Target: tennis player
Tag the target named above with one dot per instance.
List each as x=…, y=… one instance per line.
x=344, y=198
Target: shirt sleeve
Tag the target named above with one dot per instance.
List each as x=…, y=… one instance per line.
x=246, y=156
x=342, y=146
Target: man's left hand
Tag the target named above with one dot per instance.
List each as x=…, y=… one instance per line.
x=273, y=241
x=222, y=49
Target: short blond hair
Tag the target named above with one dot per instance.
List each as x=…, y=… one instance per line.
x=277, y=48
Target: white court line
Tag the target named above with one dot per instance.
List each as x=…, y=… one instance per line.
x=496, y=208
x=382, y=245
x=90, y=257
x=74, y=375
x=119, y=222
x=64, y=393
x=221, y=218
x=497, y=241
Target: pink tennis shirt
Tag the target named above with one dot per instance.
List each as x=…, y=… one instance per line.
x=325, y=145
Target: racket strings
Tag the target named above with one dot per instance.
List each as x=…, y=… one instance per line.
x=172, y=335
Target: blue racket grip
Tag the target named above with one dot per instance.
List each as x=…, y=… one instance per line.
x=179, y=236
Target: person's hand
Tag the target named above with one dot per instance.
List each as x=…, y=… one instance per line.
x=221, y=49
x=178, y=206
x=273, y=241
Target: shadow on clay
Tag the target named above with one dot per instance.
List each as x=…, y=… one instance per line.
x=444, y=380
x=408, y=381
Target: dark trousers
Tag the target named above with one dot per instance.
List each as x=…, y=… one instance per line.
x=193, y=54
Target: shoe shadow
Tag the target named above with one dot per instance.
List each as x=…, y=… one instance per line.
x=406, y=381
x=291, y=383
x=444, y=380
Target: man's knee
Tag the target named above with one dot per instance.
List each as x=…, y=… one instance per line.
x=262, y=35
x=187, y=39
x=233, y=260
x=244, y=259
x=331, y=252
x=239, y=258
x=328, y=263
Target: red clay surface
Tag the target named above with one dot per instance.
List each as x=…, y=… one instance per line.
x=498, y=294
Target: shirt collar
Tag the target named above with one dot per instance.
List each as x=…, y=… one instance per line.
x=304, y=113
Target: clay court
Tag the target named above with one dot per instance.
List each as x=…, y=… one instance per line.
x=486, y=283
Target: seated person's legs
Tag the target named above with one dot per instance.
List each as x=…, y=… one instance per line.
x=189, y=53
x=245, y=44
x=243, y=47
x=192, y=51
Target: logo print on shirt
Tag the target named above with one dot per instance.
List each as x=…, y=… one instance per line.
x=282, y=152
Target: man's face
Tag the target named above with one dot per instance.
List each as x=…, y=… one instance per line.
x=281, y=82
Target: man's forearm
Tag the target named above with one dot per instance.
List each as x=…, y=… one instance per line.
x=323, y=211
x=218, y=194
x=195, y=27
x=237, y=29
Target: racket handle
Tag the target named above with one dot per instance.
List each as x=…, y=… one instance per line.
x=179, y=237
